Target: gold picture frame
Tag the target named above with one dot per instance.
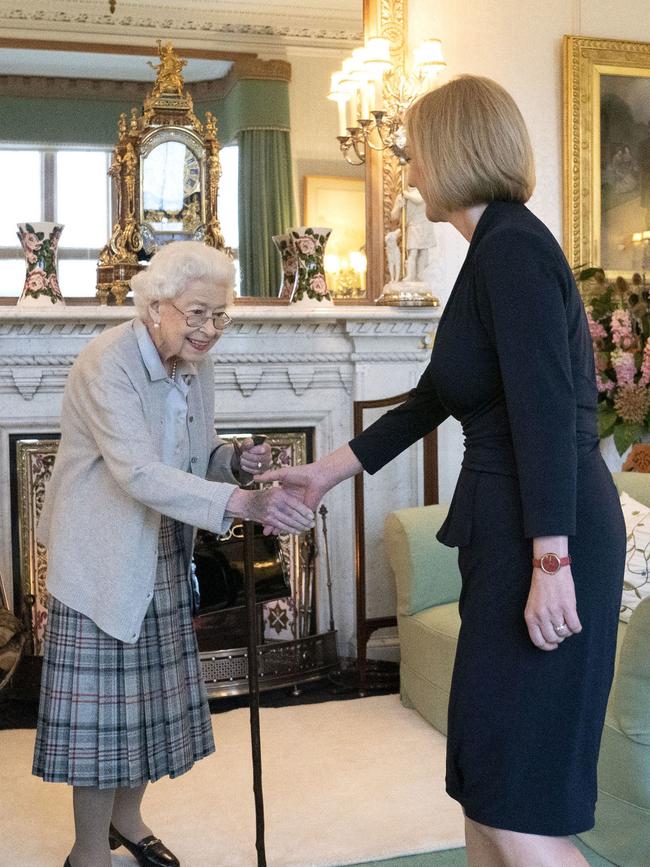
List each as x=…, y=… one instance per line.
x=339, y=203
x=607, y=154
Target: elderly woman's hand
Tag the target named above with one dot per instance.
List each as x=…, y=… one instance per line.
x=254, y=459
x=276, y=509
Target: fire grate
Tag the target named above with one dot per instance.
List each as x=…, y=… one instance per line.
x=281, y=663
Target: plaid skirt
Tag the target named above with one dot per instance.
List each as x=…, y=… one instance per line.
x=113, y=714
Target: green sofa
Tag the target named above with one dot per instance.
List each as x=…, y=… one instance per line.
x=428, y=587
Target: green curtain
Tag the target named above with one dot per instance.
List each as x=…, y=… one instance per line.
x=266, y=206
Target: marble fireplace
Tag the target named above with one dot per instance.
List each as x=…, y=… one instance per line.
x=278, y=368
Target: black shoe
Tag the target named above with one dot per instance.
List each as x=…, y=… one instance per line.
x=149, y=852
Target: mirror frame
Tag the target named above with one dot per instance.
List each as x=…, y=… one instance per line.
x=387, y=18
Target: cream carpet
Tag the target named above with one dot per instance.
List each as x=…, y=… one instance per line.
x=344, y=782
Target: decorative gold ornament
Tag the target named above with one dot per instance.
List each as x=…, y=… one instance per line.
x=167, y=121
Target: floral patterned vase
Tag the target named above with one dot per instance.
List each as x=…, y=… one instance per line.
x=289, y=265
x=40, y=242
x=309, y=245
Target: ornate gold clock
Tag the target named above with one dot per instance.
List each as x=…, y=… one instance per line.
x=165, y=172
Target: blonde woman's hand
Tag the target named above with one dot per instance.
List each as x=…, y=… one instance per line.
x=551, y=615
x=307, y=482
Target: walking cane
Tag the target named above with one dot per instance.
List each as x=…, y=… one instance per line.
x=254, y=691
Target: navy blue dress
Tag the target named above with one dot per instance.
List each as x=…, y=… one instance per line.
x=513, y=361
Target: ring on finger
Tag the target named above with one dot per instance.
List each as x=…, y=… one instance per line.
x=561, y=628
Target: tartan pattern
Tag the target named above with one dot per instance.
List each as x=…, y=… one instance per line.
x=113, y=714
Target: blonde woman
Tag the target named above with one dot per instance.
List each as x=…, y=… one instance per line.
x=138, y=468
x=535, y=514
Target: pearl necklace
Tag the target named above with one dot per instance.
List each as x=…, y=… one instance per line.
x=173, y=373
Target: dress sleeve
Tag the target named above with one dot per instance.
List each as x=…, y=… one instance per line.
x=522, y=289
x=399, y=428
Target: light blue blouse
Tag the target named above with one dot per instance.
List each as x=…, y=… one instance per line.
x=175, y=449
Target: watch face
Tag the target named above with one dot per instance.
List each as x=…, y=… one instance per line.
x=550, y=564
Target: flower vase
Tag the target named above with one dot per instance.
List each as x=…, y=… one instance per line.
x=40, y=242
x=287, y=253
x=311, y=286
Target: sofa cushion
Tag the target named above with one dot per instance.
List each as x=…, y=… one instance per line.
x=630, y=699
x=636, y=584
x=637, y=485
x=426, y=572
x=428, y=642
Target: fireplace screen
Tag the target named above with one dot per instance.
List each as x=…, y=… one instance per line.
x=289, y=615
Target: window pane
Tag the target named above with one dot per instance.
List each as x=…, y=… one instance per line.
x=20, y=182
x=82, y=198
x=77, y=277
x=228, y=199
x=12, y=277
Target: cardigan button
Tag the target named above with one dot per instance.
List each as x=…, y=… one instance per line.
x=193, y=460
x=191, y=418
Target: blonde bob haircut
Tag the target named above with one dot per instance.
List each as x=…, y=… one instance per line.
x=174, y=266
x=470, y=144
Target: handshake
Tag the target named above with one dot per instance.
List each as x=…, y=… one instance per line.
x=285, y=508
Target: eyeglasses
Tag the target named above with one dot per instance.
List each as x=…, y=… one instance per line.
x=220, y=320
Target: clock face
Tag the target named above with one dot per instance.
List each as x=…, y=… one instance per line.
x=191, y=174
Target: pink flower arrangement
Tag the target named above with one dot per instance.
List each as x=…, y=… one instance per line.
x=622, y=329
x=624, y=367
x=619, y=324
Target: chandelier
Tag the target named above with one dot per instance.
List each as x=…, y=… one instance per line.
x=372, y=94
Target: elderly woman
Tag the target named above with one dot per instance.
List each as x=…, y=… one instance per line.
x=535, y=514
x=138, y=468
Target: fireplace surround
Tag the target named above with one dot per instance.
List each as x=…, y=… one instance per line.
x=276, y=369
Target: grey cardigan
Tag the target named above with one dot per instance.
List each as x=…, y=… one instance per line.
x=101, y=515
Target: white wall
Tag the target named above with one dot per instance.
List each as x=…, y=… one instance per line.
x=519, y=44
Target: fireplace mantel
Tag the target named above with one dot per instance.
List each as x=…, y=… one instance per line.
x=276, y=367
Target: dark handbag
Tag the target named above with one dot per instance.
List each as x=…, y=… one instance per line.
x=219, y=568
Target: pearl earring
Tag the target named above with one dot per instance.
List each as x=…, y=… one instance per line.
x=156, y=325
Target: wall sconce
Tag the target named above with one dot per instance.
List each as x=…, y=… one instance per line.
x=372, y=95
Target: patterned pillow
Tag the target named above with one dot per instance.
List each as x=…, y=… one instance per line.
x=636, y=582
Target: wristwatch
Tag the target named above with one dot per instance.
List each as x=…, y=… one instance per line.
x=551, y=563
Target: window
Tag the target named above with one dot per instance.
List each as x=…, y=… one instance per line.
x=65, y=185
x=228, y=202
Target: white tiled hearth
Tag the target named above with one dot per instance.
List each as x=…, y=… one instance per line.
x=277, y=367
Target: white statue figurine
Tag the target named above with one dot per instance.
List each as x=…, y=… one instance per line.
x=420, y=233
x=393, y=254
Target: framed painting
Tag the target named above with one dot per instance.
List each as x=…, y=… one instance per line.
x=607, y=154
x=339, y=203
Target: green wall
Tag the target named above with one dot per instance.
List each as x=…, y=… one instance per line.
x=24, y=120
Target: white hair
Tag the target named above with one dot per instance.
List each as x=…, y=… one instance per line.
x=174, y=266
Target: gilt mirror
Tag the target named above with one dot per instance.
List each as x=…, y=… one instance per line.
x=80, y=85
